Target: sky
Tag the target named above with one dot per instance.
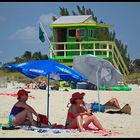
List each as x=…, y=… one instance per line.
x=19, y=24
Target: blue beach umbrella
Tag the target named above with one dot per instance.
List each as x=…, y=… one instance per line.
x=48, y=68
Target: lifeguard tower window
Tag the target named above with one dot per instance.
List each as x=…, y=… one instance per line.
x=72, y=33
x=82, y=32
x=92, y=33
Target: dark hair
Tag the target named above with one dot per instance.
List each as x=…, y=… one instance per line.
x=18, y=97
x=73, y=102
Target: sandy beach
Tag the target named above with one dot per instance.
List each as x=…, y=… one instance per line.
x=127, y=125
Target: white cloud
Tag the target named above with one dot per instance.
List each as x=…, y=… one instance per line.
x=46, y=19
x=2, y=19
x=28, y=34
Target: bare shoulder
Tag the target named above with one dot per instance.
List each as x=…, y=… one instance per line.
x=72, y=108
x=20, y=104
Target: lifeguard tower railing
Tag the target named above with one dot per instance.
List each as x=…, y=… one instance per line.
x=104, y=49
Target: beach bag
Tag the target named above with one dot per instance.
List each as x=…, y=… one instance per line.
x=95, y=107
x=43, y=119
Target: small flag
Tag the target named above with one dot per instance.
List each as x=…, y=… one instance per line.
x=41, y=35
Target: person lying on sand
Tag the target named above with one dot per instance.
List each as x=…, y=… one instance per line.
x=22, y=113
x=112, y=106
x=77, y=111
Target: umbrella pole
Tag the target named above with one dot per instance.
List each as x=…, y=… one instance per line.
x=48, y=97
x=98, y=88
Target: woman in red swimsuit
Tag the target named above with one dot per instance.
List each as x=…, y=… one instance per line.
x=76, y=113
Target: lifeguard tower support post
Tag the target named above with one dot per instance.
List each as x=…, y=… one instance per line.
x=76, y=35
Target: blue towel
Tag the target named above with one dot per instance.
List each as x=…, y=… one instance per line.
x=95, y=107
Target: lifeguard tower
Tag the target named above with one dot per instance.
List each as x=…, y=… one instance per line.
x=76, y=35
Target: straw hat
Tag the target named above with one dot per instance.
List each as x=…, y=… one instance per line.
x=76, y=96
x=126, y=109
x=22, y=91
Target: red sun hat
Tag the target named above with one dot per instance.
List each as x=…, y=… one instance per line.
x=75, y=96
x=22, y=91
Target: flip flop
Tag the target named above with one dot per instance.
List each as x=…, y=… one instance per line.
x=126, y=109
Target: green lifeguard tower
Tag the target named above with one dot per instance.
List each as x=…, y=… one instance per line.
x=76, y=35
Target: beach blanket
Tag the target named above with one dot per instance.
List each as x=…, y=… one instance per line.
x=51, y=130
x=101, y=132
x=59, y=128
x=90, y=129
x=15, y=95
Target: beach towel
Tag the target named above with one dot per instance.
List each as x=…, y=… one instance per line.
x=101, y=132
x=15, y=95
x=3, y=123
x=59, y=128
x=90, y=129
x=51, y=130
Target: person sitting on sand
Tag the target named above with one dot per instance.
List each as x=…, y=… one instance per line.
x=112, y=106
x=31, y=85
x=42, y=84
x=22, y=113
x=77, y=111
